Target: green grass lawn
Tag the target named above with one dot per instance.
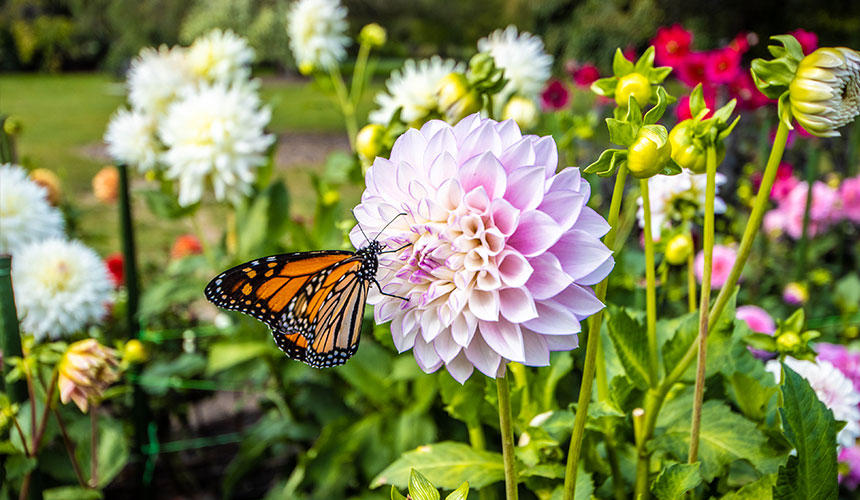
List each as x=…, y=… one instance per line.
x=64, y=118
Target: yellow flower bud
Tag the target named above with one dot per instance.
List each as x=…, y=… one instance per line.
x=373, y=35
x=306, y=68
x=787, y=341
x=825, y=91
x=106, y=184
x=368, y=141
x=12, y=125
x=134, y=352
x=457, y=99
x=48, y=180
x=648, y=153
x=86, y=370
x=635, y=84
x=521, y=110
x=330, y=197
x=686, y=153
x=678, y=249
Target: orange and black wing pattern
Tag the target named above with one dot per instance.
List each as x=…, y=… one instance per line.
x=312, y=301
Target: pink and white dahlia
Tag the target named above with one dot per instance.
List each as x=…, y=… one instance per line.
x=850, y=194
x=496, y=250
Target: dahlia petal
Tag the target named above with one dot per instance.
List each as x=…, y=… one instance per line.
x=443, y=167
x=525, y=187
x=553, y=319
x=409, y=148
x=449, y=195
x=580, y=300
x=432, y=127
x=484, y=170
x=561, y=342
x=446, y=348
x=519, y=154
x=431, y=326
x=569, y=179
x=484, y=305
x=509, y=131
x=546, y=154
x=504, y=338
x=514, y=269
x=465, y=126
x=504, y=216
x=485, y=359
x=580, y=253
x=517, y=305
x=535, y=233
x=426, y=356
x=592, y=222
x=481, y=141
x=463, y=328
x=598, y=274
x=535, y=348
x=548, y=278
x=564, y=207
x=460, y=368
x=403, y=339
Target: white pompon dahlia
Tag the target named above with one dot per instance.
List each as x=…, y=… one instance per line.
x=60, y=287
x=26, y=215
x=156, y=77
x=220, y=56
x=834, y=389
x=131, y=139
x=215, y=133
x=413, y=88
x=671, y=195
x=500, y=249
x=317, y=30
x=527, y=66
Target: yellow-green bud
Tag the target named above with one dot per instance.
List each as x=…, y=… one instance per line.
x=12, y=125
x=457, y=99
x=825, y=91
x=373, y=35
x=134, y=352
x=368, y=142
x=648, y=153
x=788, y=341
x=306, y=67
x=635, y=84
x=678, y=249
x=686, y=153
x=521, y=110
x=330, y=197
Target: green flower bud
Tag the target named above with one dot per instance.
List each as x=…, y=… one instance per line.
x=368, y=142
x=678, y=249
x=635, y=84
x=134, y=352
x=686, y=152
x=788, y=341
x=649, y=152
x=306, y=68
x=457, y=99
x=373, y=35
x=521, y=110
x=825, y=91
x=12, y=125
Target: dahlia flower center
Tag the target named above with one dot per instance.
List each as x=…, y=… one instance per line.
x=672, y=47
x=57, y=277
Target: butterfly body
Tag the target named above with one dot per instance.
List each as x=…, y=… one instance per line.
x=312, y=301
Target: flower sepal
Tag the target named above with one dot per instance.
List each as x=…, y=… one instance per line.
x=772, y=77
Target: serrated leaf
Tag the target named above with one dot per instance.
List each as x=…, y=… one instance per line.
x=420, y=488
x=675, y=480
x=71, y=493
x=751, y=394
x=460, y=493
x=631, y=345
x=761, y=489
x=621, y=65
x=809, y=426
x=681, y=340
x=446, y=464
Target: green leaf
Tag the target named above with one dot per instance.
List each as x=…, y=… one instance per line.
x=846, y=294
x=675, y=480
x=621, y=65
x=762, y=489
x=460, y=493
x=655, y=113
x=584, y=486
x=71, y=493
x=395, y=495
x=697, y=101
x=620, y=132
x=420, y=488
x=607, y=162
x=810, y=427
x=18, y=466
x=446, y=464
x=227, y=354
x=631, y=344
x=681, y=340
x=751, y=395
x=165, y=205
x=113, y=448
x=264, y=222
x=761, y=341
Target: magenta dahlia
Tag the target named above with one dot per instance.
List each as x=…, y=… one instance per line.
x=496, y=250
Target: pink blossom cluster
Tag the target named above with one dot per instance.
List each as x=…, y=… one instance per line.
x=848, y=362
x=829, y=206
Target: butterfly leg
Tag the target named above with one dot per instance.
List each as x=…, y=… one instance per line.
x=389, y=294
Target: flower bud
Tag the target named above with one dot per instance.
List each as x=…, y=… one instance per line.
x=12, y=125
x=649, y=152
x=457, y=99
x=86, y=370
x=48, y=180
x=373, y=35
x=330, y=197
x=635, y=84
x=134, y=352
x=686, y=152
x=825, y=91
x=306, y=68
x=106, y=184
x=678, y=249
x=521, y=110
x=795, y=293
x=368, y=141
x=788, y=341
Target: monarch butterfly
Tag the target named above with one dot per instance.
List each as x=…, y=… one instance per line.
x=312, y=301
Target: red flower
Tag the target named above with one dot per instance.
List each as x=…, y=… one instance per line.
x=585, y=74
x=742, y=42
x=682, y=110
x=185, y=245
x=672, y=44
x=555, y=96
x=691, y=70
x=722, y=65
x=744, y=90
x=630, y=53
x=808, y=40
x=114, y=264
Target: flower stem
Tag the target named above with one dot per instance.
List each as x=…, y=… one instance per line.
x=346, y=105
x=70, y=448
x=650, y=285
x=708, y=249
x=591, y=348
x=691, y=280
x=94, y=445
x=49, y=391
x=358, y=78
x=506, y=426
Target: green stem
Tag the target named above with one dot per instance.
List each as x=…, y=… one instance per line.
x=94, y=445
x=708, y=249
x=10, y=336
x=650, y=285
x=70, y=448
x=358, y=78
x=803, y=244
x=346, y=105
x=591, y=348
x=43, y=422
x=691, y=281
x=506, y=427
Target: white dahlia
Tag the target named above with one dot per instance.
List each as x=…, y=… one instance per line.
x=131, y=139
x=527, y=67
x=26, y=215
x=156, y=77
x=317, y=33
x=220, y=56
x=215, y=133
x=672, y=195
x=60, y=287
x=413, y=88
x=834, y=389
x=496, y=252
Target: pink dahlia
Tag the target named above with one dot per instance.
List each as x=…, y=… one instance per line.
x=847, y=361
x=499, y=249
x=808, y=40
x=849, y=192
x=851, y=457
x=723, y=259
x=824, y=209
x=722, y=65
x=585, y=74
x=784, y=183
x=744, y=90
x=691, y=69
x=671, y=44
x=555, y=96
x=759, y=321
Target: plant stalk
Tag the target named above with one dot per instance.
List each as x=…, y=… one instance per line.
x=506, y=427
x=650, y=285
x=10, y=335
x=346, y=105
x=691, y=280
x=70, y=448
x=94, y=445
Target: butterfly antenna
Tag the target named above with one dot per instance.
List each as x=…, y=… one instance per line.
x=396, y=249
x=389, y=223
x=359, y=227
